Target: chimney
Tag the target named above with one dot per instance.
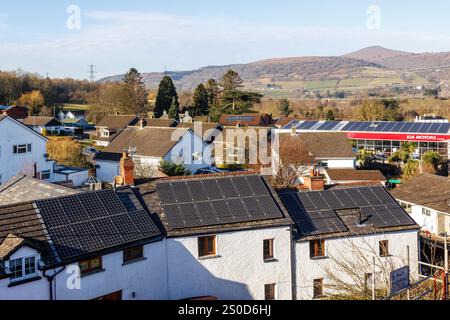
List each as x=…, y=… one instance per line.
x=293, y=131
x=314, y=182
x=127, y=170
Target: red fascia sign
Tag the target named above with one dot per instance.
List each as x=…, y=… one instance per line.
x=398, y=136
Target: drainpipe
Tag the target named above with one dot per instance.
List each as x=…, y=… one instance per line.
x=293, y=265
x=50, y=280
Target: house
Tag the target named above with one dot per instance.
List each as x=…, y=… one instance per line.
x=69, y=248
x=23, y=188
x=148, y=146
x=72, y=114
x=246, y=120
x=227, y=237
x=110, y=125
x=354, y=177
x=207, y=130
x=426, y=198
x=22, y=150
x=15, y=112
x=185, y=117
x=76, y=126
x=44, y=125
x=338, y=235
x=322, y=150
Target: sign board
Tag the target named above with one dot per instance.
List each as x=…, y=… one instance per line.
x=399, y=280
x=398, y=136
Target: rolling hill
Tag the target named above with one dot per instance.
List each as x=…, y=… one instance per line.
x=372, y=67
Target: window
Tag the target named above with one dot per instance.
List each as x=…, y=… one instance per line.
x=207, y=246
x=268, y=250
x=22, y=148
x=384, y=248
x=317, y=248
x=406, y=206
x=22, y=268
x=133, y=254
x=91, y=265
x=318, y=288
x=45, y=175
x=269, y=291
x=426, y=212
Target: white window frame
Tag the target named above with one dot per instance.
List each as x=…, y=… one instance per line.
x=25, y=276
x=49, y=172
x=28, y=149
x=426, y=212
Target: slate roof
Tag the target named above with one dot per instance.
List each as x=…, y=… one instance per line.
x=115, y=122
x=246, y=119
x=310, y=147
x=41, y=121
x=346, y=212
x=215, y=204
x=22, y=188
x=149, y=142
x=355, y=175
x=426, y=190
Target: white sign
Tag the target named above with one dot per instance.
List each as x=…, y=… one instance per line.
x=399, y=280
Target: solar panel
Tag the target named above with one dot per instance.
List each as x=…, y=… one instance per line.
x=181, y=192
x=165, y=193
x=307, y=125
x=222, y=211
x=173, y=216
x=197, y=191
x=206, y=213
x=268, y=207
x=258, y=186
x=214, y=192
x=143, y=223
x=108, y=232
x=189, y=214
x=238, y=210
x=434, y=128
x=75, y=212
x=53, y=216
x=344, y=198
x=66, y=242
x=415, y=127
x=332, y=200
x=444, y=128
x=88, y=237
x=317, y=200
x=95, y=208
x=126, y=227
x=242, y=187
x=227, y=188
x=110, y=200
x=389, y=127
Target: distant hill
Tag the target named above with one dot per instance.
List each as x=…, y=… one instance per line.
x=372, y=67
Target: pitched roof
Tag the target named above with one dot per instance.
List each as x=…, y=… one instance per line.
x=10, y=244
x=91, y=223
x=426, y=190
x=22, y=220
x=246, y=119
x=346, y=212
x=355, y=175
x=153, y=122
x=309, y=147
x=22, y=188
x=41, y=121
x=206, y=128
x=149, y=142
x=283, y=121
x=215, y=204
x=115, y=122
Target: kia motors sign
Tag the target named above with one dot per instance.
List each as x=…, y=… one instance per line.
x=399, y=280
x=397, y=136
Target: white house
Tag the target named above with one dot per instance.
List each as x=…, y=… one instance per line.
x=44, y=125
x=226, y=237
x=22, y=150
x=148, y=146
x=339, y=233
x=426, y=199
x=123, y=257
x=72, y=114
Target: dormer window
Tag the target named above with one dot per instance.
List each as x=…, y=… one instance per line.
x=22, y=268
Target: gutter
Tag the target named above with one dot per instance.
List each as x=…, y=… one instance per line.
x=293, y=264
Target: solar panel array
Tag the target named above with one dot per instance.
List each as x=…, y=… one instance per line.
x=210, y=202
x=245, y=118
x=384, y=127
x=318, y=212
x=89, y=222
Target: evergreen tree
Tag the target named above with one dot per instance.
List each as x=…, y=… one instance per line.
x=174, y=110
x=231, y=81
x=213, y=90
x=136, y=93
x=284, y=108
x=200, y=101
x=329, y=115
x=166, y=94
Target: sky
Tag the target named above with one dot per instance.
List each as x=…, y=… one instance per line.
x=62, y=38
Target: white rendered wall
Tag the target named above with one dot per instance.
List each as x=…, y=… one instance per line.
x=343, y=249
x=239, y=272
x=12, y=133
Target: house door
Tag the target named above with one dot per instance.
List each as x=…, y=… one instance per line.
x=115, y=296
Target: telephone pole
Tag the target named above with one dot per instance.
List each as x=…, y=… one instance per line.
x=92, y=73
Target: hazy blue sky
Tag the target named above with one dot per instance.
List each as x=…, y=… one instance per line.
x=186, y=34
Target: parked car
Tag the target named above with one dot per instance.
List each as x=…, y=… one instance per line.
x=210, y=170
x=90, y=151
